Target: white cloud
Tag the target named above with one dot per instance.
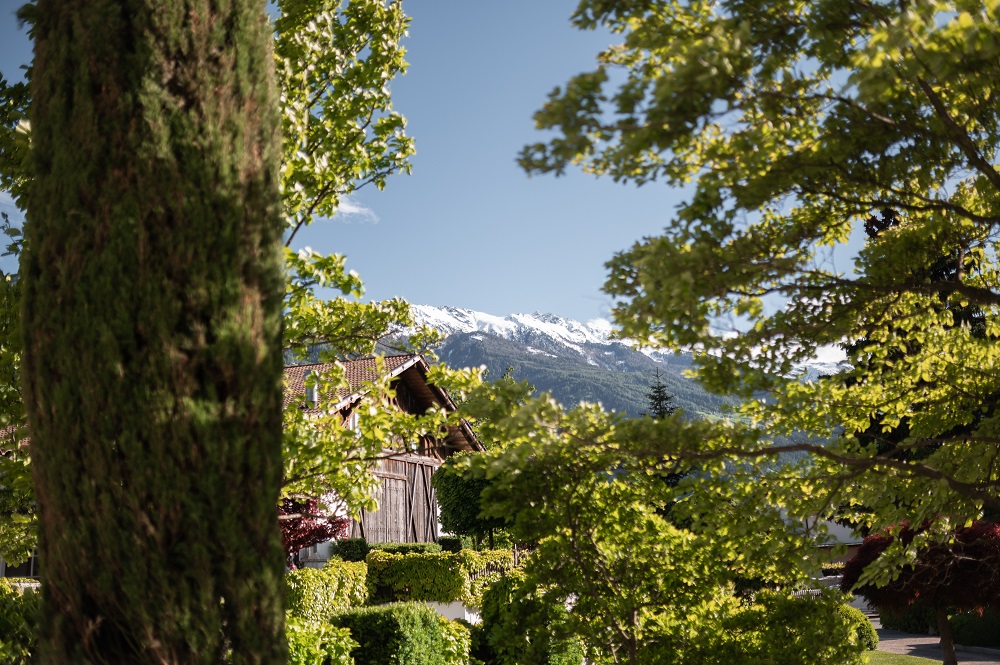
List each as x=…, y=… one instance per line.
x=350, y=210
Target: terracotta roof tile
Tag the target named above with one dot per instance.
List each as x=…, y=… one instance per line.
x=356, y=371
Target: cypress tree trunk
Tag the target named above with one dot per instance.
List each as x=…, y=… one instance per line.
x=152, y=327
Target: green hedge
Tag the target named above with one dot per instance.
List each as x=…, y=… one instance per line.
x=863, y=628
x=318, y=643
x=20, y=611
x=404, y=634
x=317, y=594
x=483, y=568
x=450, y=543
x=972, y=630
x=833, y=568
x=432, y=576
x=352, y=549
x=405, y=548
x=917, y=618
x=441, y=577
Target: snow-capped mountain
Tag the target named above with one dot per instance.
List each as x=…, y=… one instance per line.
x=573, y=361
x=577, y=361
x=548, y=331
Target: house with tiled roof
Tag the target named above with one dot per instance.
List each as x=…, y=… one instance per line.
x=407, y=502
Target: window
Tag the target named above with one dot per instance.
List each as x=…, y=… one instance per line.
x=27, y=569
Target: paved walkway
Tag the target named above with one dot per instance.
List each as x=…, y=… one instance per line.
x=927, y=646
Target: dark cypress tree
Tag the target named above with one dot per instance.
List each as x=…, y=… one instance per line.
x=152, y=324
x=661, y=403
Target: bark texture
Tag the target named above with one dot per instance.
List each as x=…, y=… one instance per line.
x=152, y=323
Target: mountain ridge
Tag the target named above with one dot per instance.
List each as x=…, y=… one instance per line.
x=572, y=361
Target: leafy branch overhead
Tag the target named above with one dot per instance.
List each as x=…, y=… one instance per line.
x=796, y=124
x=335, y=62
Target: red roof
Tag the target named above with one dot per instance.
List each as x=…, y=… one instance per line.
x=357, y=373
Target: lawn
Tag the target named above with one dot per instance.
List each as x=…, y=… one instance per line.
x=886, y=658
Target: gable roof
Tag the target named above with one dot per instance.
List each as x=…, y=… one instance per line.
x=357, y=372
x=410, y=369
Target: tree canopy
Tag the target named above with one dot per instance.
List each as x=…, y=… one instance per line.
x=796, y=124
x=792, y=124
x=963, y=574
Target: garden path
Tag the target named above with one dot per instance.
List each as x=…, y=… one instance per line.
x=926, y=646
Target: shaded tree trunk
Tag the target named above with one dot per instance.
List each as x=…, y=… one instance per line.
x=152, y=323
x=947, y=640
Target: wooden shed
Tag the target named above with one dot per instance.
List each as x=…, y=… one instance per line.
x=407, y=510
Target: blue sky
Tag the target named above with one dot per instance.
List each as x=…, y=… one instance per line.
x=468, y=228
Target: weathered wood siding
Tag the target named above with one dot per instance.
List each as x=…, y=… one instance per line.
x=407, y=502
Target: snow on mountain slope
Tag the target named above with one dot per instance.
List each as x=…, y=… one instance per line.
x=548, y=334
x=515, y=327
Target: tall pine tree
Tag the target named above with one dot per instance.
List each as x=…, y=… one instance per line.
x=661, y=403
x=152, y=324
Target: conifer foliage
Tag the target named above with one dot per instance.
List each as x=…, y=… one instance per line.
x=661, y=403
x=151, y=323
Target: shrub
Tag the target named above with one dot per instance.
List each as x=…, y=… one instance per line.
x=450, y=543
x=20, y=612
x=406, y=548
x=519, y=628
x=974, y=630
x=352, y=549
x=457, y=642
x=863, y=628
x=781, y=628
x=482, y=569
x=318, y=643
x=317, y=594
x=396, y=634
x=833, y=568
x=433, y=576
x=917, y=618
x=441, y=577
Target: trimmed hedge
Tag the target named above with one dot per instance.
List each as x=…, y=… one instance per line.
x=317, y=594
x=315, y=642
x=863, y=628
x=20, y=612
x=833, y=568
x=404, y=634
x=450, y=543
x=433, y=576
x=917, y=618
x=442, y=577
x=352, y=549
x=972, y=630
x=405, y=548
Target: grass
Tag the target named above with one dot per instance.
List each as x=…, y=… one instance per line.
x=886, y=658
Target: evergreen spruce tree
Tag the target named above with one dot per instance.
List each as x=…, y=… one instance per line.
x=661, y=403
x=151, y=327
